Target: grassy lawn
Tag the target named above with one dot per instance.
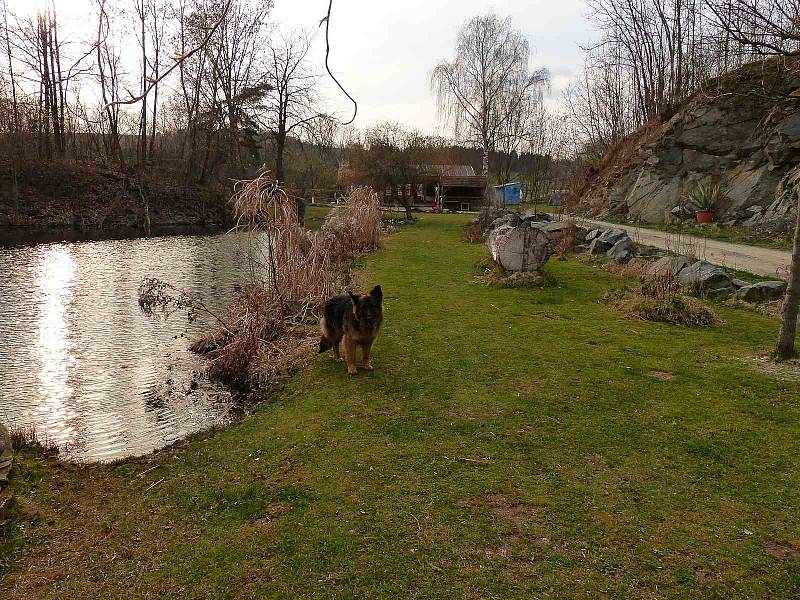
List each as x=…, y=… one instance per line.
x=510, y=443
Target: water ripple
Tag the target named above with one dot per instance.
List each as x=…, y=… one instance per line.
x=81, y=364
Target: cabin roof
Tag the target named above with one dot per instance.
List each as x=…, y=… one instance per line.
x=500, y=187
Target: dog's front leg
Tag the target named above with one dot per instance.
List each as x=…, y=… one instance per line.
x=367, y=346
x=350, y=355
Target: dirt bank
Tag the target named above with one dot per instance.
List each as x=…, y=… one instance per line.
x=86, y=194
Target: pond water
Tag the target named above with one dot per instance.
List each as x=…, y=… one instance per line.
x=83, y=366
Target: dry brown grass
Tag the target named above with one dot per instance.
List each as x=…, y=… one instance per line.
x=566, y=243
x=661, y=299
x=28, y=438
x=269, y=329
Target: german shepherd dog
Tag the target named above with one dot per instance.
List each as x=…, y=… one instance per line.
x=355, y=317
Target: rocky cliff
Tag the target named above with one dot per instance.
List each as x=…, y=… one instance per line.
x=741, y=132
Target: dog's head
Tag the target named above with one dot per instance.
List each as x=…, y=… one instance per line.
x=368, y=308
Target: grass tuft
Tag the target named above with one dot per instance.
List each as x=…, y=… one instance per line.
x=661, y=299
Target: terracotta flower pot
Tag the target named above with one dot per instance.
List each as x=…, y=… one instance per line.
x=705, y=216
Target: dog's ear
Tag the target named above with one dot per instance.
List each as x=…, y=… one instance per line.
x=377, y=293
x=354, y=298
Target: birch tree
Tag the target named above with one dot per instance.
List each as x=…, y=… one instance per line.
x=485, y=91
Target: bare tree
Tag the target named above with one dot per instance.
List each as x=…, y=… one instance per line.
x=294, y=102
x=393, y=160
x=761, y=27
x=791, y=302
x=487, y=88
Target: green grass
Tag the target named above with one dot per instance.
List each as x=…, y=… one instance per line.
x=510, y=443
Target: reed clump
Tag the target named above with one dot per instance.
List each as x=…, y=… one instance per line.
x=27, y=438
x=270, y=328
x=662, y=299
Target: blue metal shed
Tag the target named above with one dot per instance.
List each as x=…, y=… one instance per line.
x=510, y=193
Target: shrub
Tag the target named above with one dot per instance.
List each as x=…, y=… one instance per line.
x=682, y=310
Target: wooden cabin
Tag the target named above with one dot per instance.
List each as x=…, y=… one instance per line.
x=450, y=187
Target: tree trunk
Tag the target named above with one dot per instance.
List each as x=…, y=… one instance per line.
x=485, y=172
x=280, y=143
x=791, y=302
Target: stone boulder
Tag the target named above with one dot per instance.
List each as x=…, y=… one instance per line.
x=603, y=240
x=555, y=230
x=613, y=236
x=530, y=215
x=519, y=248
x=706, y=279
x=623, y=251
x=511, y=218
x=668, y=266
x=599, y=246
x=763, y=291
x=593, y=234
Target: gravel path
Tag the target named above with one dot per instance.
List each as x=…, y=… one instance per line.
x=752, y=259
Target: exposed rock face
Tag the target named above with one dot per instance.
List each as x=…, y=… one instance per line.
x=742, y=132
x=519, y=248
x=764, y=291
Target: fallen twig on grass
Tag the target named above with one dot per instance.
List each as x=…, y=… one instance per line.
x=152, y=485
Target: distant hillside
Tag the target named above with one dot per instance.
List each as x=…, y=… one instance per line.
x=67, y=193
x=741, y=132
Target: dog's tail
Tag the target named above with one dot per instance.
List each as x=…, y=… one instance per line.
x=324, y=344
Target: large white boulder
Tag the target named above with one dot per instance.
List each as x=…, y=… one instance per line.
x=519, y=248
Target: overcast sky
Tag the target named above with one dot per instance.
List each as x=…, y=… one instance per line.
x=383, y=50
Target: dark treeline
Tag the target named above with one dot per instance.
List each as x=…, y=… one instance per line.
x=187, y=84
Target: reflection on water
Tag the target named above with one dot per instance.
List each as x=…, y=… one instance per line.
x=81, y=364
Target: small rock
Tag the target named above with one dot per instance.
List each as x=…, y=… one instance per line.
x=764, y=291
x=622, y=251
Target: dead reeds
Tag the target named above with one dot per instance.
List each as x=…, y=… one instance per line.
x=27, y=437
x=663, y=299
x=270, y=328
